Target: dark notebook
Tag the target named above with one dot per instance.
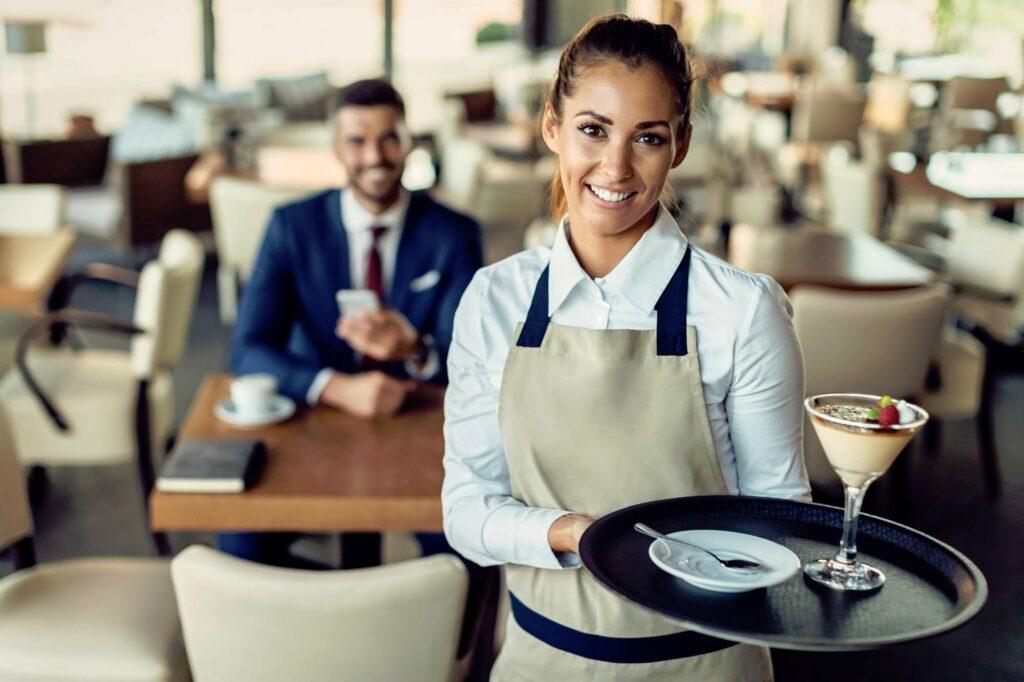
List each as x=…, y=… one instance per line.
x=199, y=465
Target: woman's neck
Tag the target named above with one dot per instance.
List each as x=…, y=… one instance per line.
x=598, y=253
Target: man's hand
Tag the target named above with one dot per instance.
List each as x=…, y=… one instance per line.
x=565, y=533
x=370, y=394
x=384, y=335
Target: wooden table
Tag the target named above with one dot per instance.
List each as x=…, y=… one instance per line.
x=810, y=255
x=29, y=267
x=326, y=472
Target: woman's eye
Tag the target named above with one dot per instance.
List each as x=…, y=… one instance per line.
x=651, y=139
x=591, y=130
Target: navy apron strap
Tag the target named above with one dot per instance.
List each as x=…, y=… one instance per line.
x=614, y=649
x=671, y=307
x=537, y=319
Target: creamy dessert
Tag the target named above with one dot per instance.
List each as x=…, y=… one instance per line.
x=858, y=454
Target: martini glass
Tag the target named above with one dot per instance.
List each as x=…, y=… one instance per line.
x=860, y=451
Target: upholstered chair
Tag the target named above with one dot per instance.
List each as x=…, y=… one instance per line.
x=246, y=621
x=73, y=406
x=855, y=342
x=80, y=619
x=241, y=210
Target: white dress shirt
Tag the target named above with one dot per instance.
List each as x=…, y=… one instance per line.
x=750, y=364
x=359, y=224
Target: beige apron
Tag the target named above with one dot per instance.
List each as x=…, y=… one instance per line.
x=593, y=421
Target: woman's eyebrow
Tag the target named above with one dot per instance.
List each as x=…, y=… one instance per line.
x=594, y=114
x=607, y=121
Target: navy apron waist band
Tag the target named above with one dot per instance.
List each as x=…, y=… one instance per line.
x=614, y=649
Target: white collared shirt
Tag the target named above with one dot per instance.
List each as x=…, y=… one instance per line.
x=750, y=364
x=359, y=224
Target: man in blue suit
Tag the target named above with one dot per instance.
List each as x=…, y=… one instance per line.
x=417, y=255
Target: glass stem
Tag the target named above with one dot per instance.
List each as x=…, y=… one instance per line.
x=847, y=553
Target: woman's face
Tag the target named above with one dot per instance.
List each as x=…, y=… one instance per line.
x=616, y=142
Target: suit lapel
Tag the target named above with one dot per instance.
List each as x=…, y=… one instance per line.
x=410, y=251
x=338, y=275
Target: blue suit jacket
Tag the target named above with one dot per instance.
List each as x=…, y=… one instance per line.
x=288, y=312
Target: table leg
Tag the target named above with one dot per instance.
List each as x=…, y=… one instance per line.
x=360, y=550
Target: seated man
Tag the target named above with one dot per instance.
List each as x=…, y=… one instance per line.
x=417, y=255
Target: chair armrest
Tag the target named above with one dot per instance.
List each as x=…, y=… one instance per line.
x=69, y=318
x=980, y=292
x=60, y=295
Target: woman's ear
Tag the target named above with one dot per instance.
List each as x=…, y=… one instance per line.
x=549, y=129
x=682, y=145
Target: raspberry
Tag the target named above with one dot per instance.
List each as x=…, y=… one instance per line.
x=888, y=415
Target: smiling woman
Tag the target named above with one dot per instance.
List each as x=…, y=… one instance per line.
x=618, y=117
x=621, y=365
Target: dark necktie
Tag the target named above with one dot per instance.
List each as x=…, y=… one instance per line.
x=374, y=268
x=375, y=283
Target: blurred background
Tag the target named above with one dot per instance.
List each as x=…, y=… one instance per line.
x=865, y=153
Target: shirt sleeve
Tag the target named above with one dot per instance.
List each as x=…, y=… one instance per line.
x=320, y=381
x=765, y=400
x=482, y=520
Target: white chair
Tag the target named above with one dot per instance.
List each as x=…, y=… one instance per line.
x=80, y=619
x=245, y=621
x=854, y=194
x=31, y=209
x=241, y=210
x=876, y=343
x=985, y=262
x=827, y=115
x=95, y=406
x=960, y=388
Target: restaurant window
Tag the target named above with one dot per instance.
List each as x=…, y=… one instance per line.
x=259, y=39
x=101, y=56
x=451, y=46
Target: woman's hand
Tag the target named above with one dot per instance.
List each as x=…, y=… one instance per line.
x=565, y=533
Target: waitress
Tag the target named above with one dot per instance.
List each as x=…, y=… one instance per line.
x=622, y=365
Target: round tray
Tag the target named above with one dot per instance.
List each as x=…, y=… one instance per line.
x=930, y=587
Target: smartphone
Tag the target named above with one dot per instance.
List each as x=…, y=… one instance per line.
x=351, y=302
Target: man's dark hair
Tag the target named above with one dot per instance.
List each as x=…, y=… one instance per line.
x=369, y=93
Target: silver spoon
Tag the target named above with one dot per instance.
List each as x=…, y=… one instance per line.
x=735, y=564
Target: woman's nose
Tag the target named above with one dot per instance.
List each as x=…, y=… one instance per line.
x=618, y=161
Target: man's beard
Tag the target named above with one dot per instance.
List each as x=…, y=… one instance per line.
x=385, y=198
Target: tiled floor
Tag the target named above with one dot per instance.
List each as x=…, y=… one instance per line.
x=99, y=511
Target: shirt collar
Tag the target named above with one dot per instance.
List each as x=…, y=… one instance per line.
x=640, y=277
x=355, y=218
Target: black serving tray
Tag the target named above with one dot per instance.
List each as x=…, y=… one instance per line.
x=930, y=587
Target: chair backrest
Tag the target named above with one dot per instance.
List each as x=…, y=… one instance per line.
x=854, y=194
x=31, y=209
x=877, y=343
x=15, y=517
x=462, y=170
x=164, y=302
x=245, y=621
x=241, y=210
x=302, y=168
x=988, y=253
x=827, y=115
x=968, y=92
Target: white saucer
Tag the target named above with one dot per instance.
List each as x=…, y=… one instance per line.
x=701, y=570
x=281, y=407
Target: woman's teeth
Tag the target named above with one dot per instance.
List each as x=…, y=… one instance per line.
x=614, y=197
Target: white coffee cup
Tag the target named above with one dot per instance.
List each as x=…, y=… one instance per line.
x=252, y=394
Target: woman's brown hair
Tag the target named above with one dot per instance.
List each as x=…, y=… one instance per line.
x=634, y=43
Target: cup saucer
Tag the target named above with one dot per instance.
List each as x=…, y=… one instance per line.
x=281, y=407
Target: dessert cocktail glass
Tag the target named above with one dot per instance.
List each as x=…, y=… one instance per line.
x=860, y=450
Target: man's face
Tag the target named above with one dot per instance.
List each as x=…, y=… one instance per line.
x=372, y=143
